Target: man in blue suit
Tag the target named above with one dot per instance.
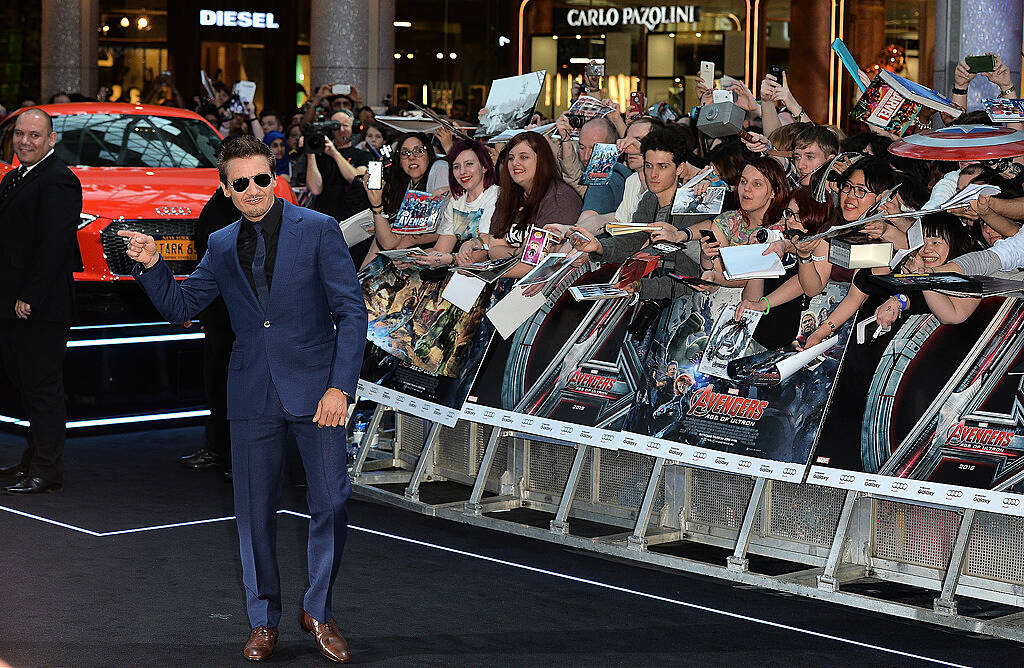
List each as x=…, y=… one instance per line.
x=300, y=325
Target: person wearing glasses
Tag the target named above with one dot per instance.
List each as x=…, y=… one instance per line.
x=416, y=167
x=297, y=311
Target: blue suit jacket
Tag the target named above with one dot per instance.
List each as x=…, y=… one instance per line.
x=311, y=334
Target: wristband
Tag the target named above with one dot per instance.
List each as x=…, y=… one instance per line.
x=805, y=259
x=767, y=306
x=830, y=324
x=818, y=258
x=959, y=91
x=902, y=300
x=689, y=235
x=253, y=119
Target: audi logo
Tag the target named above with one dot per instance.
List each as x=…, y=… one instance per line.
x=173, y=211
x=846, y=478
x=1011, y=501
x=899, y=486
x=700, y=455
x=954, y=494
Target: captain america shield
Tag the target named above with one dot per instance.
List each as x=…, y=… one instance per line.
x=961, y=143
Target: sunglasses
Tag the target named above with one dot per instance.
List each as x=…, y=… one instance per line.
x=242, y=184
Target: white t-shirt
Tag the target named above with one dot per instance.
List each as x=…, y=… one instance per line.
x=438, y=176
x=464, y=220
x=631, y=194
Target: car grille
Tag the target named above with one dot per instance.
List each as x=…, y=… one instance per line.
x=113, y=245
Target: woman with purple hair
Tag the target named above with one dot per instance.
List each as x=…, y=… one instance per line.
x=466, y=218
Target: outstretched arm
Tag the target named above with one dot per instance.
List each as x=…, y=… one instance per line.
x=176, y=302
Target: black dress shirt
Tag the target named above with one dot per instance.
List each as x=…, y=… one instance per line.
x=271, y=224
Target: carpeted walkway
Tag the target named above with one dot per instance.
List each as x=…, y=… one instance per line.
x=172, y=596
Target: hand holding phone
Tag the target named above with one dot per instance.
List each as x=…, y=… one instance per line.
x=775, y=71
x=707, y=74
x=341, y=89
x=979, y=64
x=374, y=175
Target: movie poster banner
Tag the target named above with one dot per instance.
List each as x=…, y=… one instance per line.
x=425, y=350
x=568, y=373
x=712, y=396
x=933, y=413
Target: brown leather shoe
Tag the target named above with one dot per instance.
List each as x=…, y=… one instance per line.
x=261, y=643
x=328, y=638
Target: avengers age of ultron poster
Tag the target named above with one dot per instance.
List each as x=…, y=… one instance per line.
x=425, y=350
x=568, y=373
x=762, y=417
x=943, y=420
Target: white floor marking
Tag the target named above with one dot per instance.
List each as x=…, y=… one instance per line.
x=524, y=567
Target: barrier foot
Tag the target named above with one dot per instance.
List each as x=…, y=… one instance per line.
x=367, y=440
x=638, y=540
x=945, y=604
x=473, y=505
x=738, y=560
x=412, y=492
x=560, y=524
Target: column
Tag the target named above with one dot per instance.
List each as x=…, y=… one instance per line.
x=68, y=42
x=340, y=43
x=974, y=27
x=810, y=22
x=381, y=77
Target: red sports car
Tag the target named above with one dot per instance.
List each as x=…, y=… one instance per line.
x=144, y=167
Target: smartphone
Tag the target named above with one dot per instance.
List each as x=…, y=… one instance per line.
x=594, y=70
x=977, y=64
x=638, y=101
x=576, y=237
x=707, y=73
x=776, y=72
x=709, y=236
x=341, y=89
x=375, y=175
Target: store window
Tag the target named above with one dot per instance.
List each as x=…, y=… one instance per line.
x=450, y=50
x=133, y=50
x=650, y=46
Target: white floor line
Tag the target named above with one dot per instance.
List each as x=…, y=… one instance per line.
x=49, y=521
x=604, y=585
x=532, y=569
x=166, y=526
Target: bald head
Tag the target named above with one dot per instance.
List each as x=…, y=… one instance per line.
x=36, y=113
x=595, y=131
x=33, y=136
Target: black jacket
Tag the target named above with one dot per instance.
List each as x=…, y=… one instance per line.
x=39, y=241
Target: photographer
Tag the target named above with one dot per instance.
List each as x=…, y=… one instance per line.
x=331, y=171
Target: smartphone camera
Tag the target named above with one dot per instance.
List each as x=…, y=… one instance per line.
x=375, y=175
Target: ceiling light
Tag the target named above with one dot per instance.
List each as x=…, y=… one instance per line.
x=125, y=22
x=696, y=34
x=453, y=55
x=409, y=56
x=440, y=55
x=143, y=23
x=397, y=55
x=402, y=24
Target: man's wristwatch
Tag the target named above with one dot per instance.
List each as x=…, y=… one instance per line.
x=1007, y=91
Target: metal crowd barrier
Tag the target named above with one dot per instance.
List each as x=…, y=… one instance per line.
x=908, y=559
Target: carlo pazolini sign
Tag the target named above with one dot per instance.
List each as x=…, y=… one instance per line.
x=650, y=17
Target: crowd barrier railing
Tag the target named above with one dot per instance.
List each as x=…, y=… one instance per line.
x=905, y=558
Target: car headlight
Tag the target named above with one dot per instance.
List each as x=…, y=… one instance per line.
x=85, y=219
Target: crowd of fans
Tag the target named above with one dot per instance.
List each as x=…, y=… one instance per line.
x=499, y=192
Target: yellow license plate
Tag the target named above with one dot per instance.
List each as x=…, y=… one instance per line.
x=177, y=248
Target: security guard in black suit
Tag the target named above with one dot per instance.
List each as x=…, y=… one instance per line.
x=40, y=204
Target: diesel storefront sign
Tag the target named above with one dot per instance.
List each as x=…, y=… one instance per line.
x=650, y=17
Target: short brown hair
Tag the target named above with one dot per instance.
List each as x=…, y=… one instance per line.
x=243, y=146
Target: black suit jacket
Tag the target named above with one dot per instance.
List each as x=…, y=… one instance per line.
x=39, y=241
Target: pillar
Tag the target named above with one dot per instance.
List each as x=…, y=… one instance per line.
x=339, y=43
x=69, y=43
x=974, y=27
x=381, y=77
x=810, y=23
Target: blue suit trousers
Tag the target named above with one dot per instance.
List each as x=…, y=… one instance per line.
x=257, y=462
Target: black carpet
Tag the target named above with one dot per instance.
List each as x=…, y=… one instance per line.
x=172, y=597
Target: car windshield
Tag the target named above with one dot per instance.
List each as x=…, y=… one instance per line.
x=126, y=140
